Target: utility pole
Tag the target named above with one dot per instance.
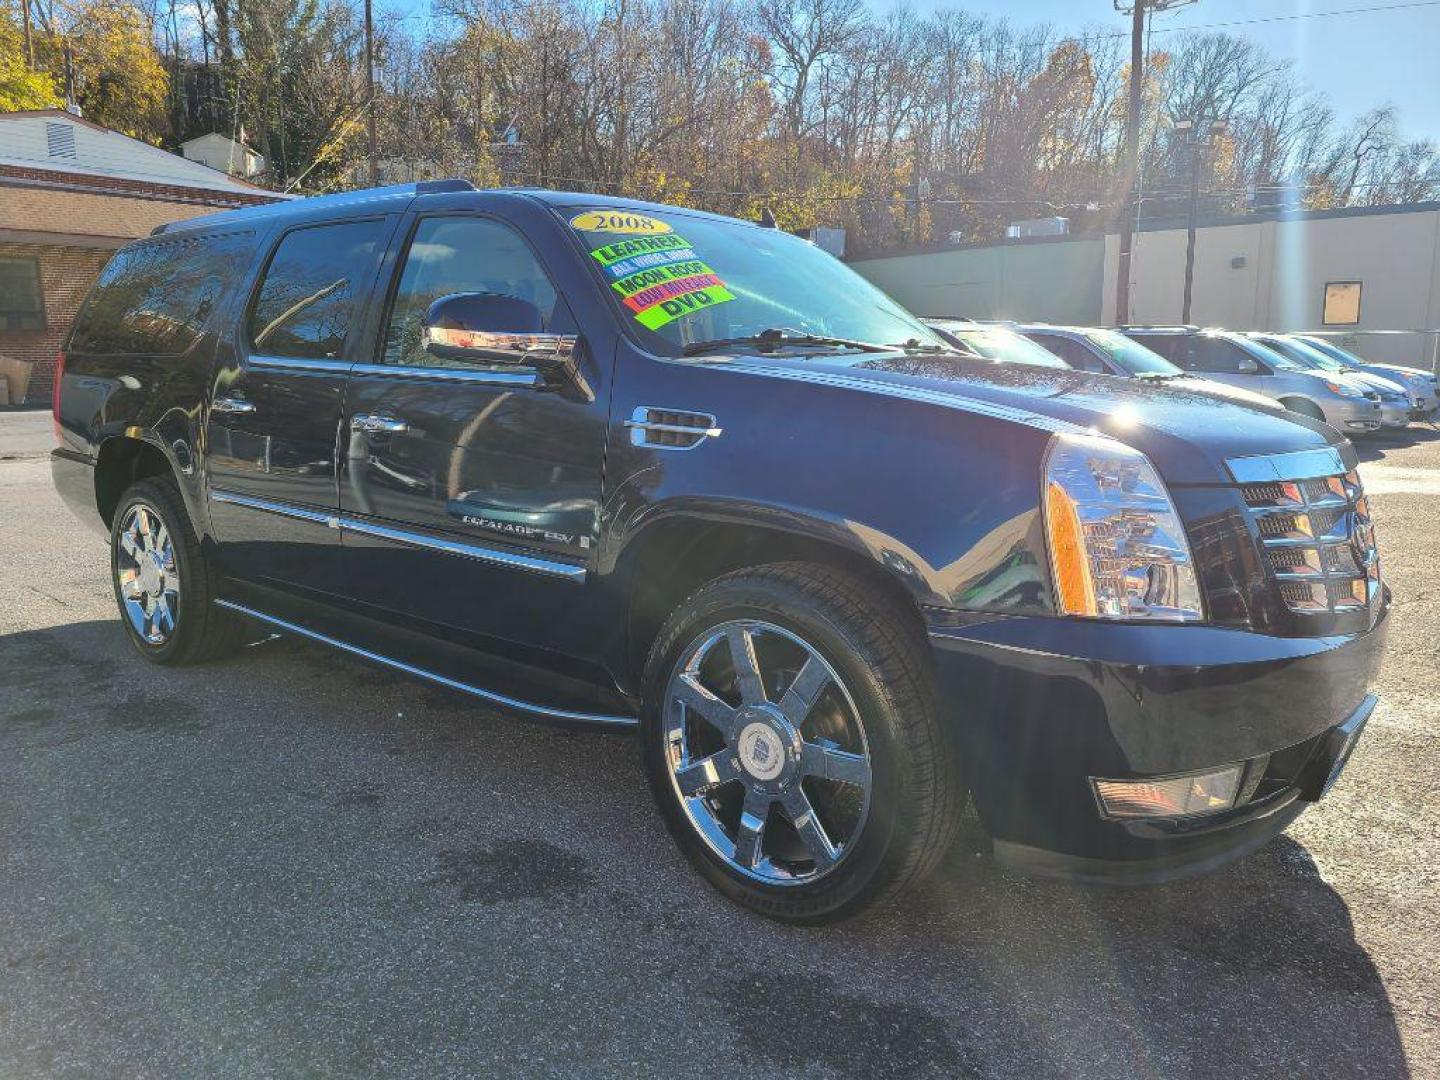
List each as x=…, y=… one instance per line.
x=1130, y=162
x=370, y=93
x=1198, y=134
x=29, y=44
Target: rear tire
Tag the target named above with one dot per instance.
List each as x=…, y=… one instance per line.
x=825, y=785
x=164, y=586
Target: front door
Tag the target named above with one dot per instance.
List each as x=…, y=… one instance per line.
x=276, y=406
x=469, y=493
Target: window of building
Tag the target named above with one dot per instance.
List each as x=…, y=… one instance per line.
x=311, y=289
x=1342, y=303
x=155, y=299
x=462, y=255
x=22, y=305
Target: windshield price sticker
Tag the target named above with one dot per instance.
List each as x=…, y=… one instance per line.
x=625, y=267
x=618, y=221
x=644, y=245
x=660, y=279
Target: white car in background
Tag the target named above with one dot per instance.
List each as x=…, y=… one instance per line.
x=1422, y=385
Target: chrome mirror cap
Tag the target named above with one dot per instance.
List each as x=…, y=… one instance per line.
x=498, y=346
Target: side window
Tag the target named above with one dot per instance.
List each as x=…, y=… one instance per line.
x=156, y=298
x=1071, y=351
x=311, y=288
x=1171, y=346
x=463, y=255
x=1217, y=356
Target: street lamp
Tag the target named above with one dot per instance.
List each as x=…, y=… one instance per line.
x=1197, y=135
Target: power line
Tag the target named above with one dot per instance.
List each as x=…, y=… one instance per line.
x=1373, y=10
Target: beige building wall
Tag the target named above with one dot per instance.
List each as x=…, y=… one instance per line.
x=1271, y=275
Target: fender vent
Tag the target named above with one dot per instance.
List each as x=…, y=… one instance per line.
x=670, y=429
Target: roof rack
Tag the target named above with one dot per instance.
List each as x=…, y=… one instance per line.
x=1157, y=326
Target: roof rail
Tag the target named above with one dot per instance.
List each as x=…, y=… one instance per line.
x=438, y=187
x=419, y=187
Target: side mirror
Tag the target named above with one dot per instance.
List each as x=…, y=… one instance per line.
x=1247, y=366
x=487, y=328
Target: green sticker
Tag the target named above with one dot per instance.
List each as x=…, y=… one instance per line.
x=674, y=271
x=623, y=249
x=668, y=311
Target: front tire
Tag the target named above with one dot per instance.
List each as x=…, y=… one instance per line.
x=793, y=744
x=164, y=585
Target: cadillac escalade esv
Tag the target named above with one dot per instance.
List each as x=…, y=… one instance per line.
x=633, y=465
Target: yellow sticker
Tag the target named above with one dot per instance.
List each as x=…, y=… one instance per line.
x=617, y=221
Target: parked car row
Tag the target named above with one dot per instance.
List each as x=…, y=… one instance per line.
x=1300, y=373
x=638, y=466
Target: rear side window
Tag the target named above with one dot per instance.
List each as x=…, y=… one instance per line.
x=1218, y=356
x=311, y=289
x=157, y=298
x=1071, y=351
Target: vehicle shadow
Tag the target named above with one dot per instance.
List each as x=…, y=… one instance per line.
x=1376, y=447
x=1254, y=969
x=347, y=813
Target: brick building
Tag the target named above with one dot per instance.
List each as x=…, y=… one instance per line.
x=71, y=192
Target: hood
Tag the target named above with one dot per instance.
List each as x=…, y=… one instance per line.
x=1377, y=382
x=1187, y=433
x=1236, y=394
x=1401, y=369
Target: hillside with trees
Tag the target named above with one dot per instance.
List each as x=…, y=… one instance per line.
x=903, y=128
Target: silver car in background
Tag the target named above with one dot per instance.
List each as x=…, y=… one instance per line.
x=1396, y=403
x=1422, y=385
x=1109, y=352
x=1235, y=359
x=999, y=342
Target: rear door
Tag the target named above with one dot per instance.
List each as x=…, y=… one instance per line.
x=470, y=493
x=275, y=408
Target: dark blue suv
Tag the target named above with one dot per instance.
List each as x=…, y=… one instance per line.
x=633, y=465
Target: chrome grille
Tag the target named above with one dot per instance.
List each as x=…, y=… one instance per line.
x=1315, y=529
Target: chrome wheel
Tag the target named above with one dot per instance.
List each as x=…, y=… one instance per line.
x=145, y=571
x=767, y=752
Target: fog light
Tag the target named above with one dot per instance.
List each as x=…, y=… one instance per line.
x=1171, y=796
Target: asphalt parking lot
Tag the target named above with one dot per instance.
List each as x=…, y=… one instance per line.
x=292, y=864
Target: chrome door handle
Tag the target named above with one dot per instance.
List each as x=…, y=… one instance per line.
x=378, y=425
x=232, y=405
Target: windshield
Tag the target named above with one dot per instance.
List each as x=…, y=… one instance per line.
x=681, y=279
x=1305, y=355
x=1002, y=343
x=1335, y=352
x=1130, y=354
x=1273, y=357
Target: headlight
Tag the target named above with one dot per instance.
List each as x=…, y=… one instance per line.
x=1343, y=390
x=1117, y=548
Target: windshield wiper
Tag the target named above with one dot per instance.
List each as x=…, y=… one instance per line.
x=1160, y=376
x=774, y=338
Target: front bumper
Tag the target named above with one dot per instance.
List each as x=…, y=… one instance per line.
x=1040, y=706
x=1352, y=415
x=1394, y=414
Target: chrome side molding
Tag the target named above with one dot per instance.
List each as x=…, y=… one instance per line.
x=491, y=696
x=500, y=557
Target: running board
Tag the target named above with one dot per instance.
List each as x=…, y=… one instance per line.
x=420, y=673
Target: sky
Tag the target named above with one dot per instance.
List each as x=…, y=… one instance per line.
x=1359, y=60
